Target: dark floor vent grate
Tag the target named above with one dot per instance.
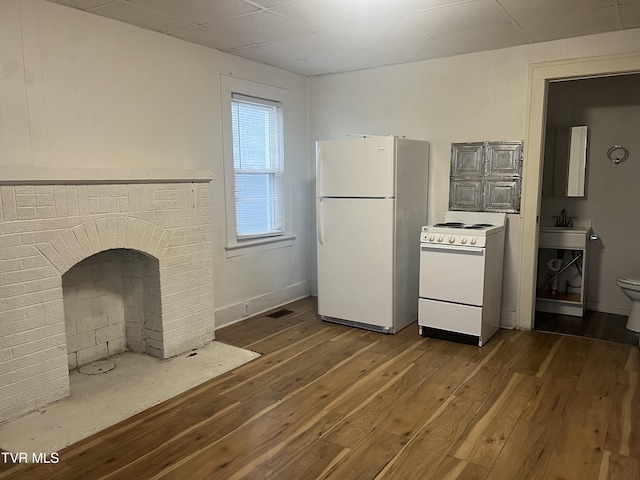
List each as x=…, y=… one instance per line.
x=280, y=313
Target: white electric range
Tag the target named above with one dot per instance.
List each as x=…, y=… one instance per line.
x=460, y=287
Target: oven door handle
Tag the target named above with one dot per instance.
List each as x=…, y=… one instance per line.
x=458, y=248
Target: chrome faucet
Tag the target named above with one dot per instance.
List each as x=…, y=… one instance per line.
x=562, y=220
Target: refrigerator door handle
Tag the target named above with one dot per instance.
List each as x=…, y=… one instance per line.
x=319, y=223
x=319, y=173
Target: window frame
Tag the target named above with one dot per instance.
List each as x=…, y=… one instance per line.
x=239, y=245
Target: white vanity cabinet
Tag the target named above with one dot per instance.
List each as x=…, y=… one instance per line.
x=562, y=270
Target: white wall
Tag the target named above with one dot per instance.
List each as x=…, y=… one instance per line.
x=473, y=97
x=610, y=107
x=78, y=90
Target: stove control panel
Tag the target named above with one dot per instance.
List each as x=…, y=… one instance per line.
x=459, y=239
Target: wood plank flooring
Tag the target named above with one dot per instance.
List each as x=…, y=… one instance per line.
x=326, y=401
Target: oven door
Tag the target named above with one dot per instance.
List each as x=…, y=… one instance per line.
x=452, y=273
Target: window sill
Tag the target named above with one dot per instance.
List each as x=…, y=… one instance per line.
x=266, y=243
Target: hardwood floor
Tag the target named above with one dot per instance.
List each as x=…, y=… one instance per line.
x=334, y=402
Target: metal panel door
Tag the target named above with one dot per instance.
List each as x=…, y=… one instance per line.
x=361, y=167
x=355, y=260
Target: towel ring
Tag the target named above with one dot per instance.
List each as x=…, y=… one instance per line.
x=617, y=159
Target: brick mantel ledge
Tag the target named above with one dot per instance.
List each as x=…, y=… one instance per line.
x=52, y=176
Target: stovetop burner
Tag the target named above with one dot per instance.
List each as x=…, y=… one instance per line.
x=478, y=226
x=450, y=224
x=475, y=226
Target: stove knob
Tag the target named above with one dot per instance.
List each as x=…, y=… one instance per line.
x=464, y=240
x=440, y=238
x=431, y=238
x=473, y=241
x=452, y=239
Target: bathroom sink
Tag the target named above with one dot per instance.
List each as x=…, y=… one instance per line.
x=563, y=237
x=583, y=230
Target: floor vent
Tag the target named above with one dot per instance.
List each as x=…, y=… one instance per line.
x=280, y=313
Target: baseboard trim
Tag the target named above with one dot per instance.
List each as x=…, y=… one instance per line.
x=614, y=309
x=226, y=316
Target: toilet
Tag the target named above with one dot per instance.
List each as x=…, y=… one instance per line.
x=630, y=285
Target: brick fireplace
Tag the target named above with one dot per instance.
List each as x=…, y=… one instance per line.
x=55, y=235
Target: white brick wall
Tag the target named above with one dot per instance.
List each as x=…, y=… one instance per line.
x=93, y=292
x=45, y=230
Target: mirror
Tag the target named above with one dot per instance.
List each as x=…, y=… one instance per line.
x=565, y=163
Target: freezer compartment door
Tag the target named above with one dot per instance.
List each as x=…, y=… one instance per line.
x=452, y=273
x=355, y=260
x=361, y=167
x=451, y=317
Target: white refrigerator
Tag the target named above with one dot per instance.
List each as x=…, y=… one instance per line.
x=371, y=203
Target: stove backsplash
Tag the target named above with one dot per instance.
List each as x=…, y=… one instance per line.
x=486, y=176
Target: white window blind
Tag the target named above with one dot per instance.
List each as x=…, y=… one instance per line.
x=257, y=164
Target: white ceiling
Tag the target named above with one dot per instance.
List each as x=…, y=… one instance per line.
x=314, y=37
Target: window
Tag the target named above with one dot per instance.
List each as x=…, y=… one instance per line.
x=257, y=165
x=257, y=193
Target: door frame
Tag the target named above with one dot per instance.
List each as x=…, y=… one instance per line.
x=540, y=75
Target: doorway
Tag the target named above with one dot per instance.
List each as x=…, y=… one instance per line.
x=540, y=78
x=607, y=109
